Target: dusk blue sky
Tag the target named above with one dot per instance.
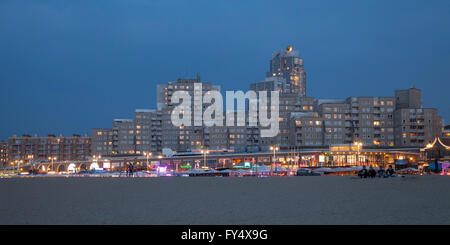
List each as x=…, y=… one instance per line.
x=70, y=66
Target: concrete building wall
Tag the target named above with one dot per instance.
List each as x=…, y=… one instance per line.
x=364, y=119
x=287, y=64
x=124, y=137
x=41, y=148
x=102, y=141
x=185, y=138
x=408, y=98
x=416, y=127
x=4, y=156
x=306, y=129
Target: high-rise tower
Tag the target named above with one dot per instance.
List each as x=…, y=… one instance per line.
x=288, y=66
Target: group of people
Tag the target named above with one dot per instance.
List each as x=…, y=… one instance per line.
x=130, y=168
x=372, y=173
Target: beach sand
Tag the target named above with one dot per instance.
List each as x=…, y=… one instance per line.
x=215, y=200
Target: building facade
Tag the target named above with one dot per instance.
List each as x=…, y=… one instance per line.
x=303, y=121
x=184, y=138
x=102, y=141
x=414, y=126
x=4, y=156
x=368, y=120
x=60, y=148
x=306, y=130
x=288, y=66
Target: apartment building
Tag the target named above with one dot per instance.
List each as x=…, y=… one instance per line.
x=307, y=129
x=102, y=141
x=368, y=120
x=335, y=113
x=372, y=120
x=288, y=104
x=303, y=121
x=38, y=148
x=414, y=126
x=141, y=134
x=232, y=138
x=288, y=66
x=4, y=156
x=124, y=141
x=184, y=138
x=148, y=130
x=270, y=84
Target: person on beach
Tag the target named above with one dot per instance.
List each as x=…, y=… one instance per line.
x=390, y=171
x=363, y=173
x=372, y=173
x=131, y=170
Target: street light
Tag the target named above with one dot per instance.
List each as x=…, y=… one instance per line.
x=147, y=154
x=52, y=159
x=96, y=158
x=18, y=165
x=274, y=148
x=31, y=162
x=359, y=145
x=204, y=157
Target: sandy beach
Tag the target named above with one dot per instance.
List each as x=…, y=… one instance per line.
x=215, y=200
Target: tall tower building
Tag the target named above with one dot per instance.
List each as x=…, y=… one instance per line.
x=183, y=138
x=414, y=125
x=288, y=66
x=408, y=98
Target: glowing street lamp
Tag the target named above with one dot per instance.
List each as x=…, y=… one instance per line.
x=18, y=162
x=97, y=156
x=358, y=145
x=52, y=159
x=274, y=148
x=147, y=154
x=204, y=156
